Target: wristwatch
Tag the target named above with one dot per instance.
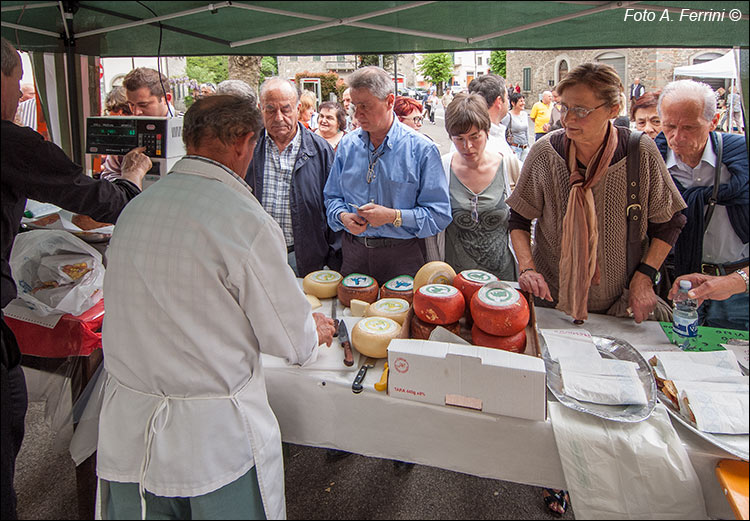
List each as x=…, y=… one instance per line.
x=397, y=221
x=742, y=273
x=650, y=272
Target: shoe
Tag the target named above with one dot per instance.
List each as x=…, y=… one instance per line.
x=336, y=455
x=556, y=497
x=402, y=466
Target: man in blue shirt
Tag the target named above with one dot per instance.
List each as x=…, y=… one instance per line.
x=387, y=188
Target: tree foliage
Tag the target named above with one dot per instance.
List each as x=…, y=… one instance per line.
x=436, y=67
x=269, y=66
x=372, y=59
x=329, y=82
x=204, y=69
x=497, y=63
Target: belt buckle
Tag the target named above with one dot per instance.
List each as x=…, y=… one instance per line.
x=709, y=269
x=633, y=207
x=367, y=242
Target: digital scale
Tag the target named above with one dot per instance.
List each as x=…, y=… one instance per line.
x=118, y=135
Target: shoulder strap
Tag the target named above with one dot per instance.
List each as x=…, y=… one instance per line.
x=633, y=211
x=717, y=177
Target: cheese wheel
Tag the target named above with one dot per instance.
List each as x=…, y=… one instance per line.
x=314, y=301
x=499, y=309
x=399, y=287
x=515, y=343
x=393, y=308
x=439, y=304
x=435, y=272
x=468, y=282
x=372, y=335
x=358, y=308
x=358, y=286
x=322, y=283
x=421, y=330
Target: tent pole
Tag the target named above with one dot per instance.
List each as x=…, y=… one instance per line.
x=395, y=75
x=69, y=39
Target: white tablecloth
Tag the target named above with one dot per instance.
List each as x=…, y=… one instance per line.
x=318, y=408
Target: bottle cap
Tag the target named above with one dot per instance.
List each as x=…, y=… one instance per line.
x=685, y=284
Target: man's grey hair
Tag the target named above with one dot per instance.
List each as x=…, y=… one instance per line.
x=220, y=117
x=490, y=87
x=10, y=58
x=275, y=81
x=372, y=78
x=689, y=89
x=548, y=92
x=237, y=88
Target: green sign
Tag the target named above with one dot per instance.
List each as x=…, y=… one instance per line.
x=709, y=338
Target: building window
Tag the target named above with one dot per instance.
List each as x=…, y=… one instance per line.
x=479, y=60
x=341, y=58
x=292, y=58
x=562, y=70
x=617, y=61
x=316, y=58
x=526, y=79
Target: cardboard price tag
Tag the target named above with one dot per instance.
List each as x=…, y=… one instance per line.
x=709, y=338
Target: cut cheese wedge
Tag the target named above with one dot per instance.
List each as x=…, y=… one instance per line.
x=394, y=308
x=358, y=308
x=322, y=283
x=372, y=335
x=314, y=301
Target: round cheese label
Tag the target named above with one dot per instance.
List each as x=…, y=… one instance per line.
x=326, y=276
x=378, y=325
x=438, y=290
x=498, y=295
x=357, y=280
x=400, y=283
x=482, y=277
x=391, y=305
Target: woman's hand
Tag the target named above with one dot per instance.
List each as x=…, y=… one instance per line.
x=709, y=287
x=533, y=282
x=642, y=299
x=325, y=328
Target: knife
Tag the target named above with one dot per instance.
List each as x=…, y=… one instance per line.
x=357, y=385
x=333, y=316
x=344, y=339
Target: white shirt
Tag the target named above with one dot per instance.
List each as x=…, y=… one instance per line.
x=721, y=245
x=197, y=286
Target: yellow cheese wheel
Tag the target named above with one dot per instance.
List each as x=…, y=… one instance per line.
x=372, y=335
x=393, y=308
x=322, y=283
x=435, y=272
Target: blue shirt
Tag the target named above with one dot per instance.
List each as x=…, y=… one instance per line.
x=407, y=175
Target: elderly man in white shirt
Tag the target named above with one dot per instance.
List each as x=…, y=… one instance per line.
x=197, y=286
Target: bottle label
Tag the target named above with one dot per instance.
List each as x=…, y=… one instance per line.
x=685, y=326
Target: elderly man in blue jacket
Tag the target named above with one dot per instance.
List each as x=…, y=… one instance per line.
x=288, y=173
x=711, y=171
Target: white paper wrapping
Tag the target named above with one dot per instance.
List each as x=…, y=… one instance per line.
x=609, y=382
x=705, y=366
x=719, y=411
x=567, y=343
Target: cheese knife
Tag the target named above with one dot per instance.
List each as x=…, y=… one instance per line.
x=344, y=340
x=357, y=385
x=333, y=316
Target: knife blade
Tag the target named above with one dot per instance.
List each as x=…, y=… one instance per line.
x=344, y=340
x=333, y=316
x=357, y=384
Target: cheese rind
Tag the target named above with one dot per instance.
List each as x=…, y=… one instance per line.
x=357, y=286
x=499, y=309
x=322, y=283
x=439, y=304
x=435, y=272
x=422, y=330
x=372, y=335
x=394, y=308
x=469, y=282
x=514, y=343
x=399, y=287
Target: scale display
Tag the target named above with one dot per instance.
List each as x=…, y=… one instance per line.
x=117, y=135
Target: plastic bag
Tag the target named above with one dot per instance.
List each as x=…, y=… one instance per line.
x=56, y=272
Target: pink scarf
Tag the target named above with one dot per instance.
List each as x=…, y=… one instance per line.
x=579, y=268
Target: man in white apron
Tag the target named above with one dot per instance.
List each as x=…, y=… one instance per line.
x=197, y=286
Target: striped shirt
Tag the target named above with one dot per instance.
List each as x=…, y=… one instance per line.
x=277, y=179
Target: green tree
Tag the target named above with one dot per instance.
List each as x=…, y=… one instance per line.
x=204, y=69
x=372, y=59
x=437, y=68
x=269, y=66
x=497, y=63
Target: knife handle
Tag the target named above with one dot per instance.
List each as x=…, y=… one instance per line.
x=382, y=385
x=348, y=355
x=357, y=385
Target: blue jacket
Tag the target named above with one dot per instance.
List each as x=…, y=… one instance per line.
x=315, y=244
x=688, y=251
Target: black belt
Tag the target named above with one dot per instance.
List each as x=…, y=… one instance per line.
x=379, y=242
x=721, y=269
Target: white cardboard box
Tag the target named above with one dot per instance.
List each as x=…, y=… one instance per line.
x=490, y=380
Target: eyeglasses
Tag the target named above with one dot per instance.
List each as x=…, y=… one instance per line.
x=416, y=119
x=580, y=112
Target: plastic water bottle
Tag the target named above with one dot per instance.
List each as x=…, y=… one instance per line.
x=685, y=318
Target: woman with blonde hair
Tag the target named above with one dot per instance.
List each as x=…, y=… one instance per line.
x=306, y=110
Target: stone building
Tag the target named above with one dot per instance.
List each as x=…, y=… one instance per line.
x=537, y=71
x=343, y=65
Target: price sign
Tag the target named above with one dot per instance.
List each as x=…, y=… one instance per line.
x=709, y=338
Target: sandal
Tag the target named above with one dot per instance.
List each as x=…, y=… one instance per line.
x=559, y=497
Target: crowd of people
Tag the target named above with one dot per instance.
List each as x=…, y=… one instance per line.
x=274, y=187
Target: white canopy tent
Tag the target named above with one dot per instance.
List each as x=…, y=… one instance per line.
x=722, y=67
